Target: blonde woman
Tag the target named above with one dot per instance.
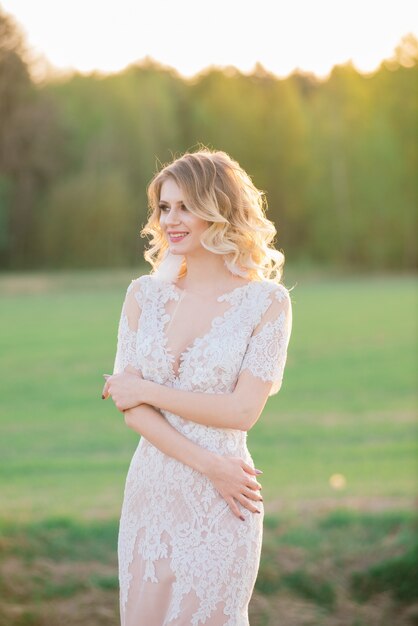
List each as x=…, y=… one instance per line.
x=202, y=343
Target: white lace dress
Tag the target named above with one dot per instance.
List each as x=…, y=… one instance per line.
x=184, y=558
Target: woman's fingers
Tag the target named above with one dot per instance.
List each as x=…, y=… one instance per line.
x=105, y=392
x=248, y=504
x=245, y=502
x=234, y=508
x=254, y=485
x=250, y=470
x=252, y=495
x=238, y=488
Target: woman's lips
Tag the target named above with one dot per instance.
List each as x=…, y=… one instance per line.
x=176, y=237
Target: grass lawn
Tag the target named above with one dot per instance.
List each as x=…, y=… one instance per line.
x=347, y=406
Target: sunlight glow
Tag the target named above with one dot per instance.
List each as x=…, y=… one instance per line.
x=338, y=481
x=190, y=35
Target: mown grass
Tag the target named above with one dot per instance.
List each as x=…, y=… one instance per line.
x=347, y=406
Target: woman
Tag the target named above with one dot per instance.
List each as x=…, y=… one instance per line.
x=202, y=343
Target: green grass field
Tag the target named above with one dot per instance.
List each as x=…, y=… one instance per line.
x=347, y=406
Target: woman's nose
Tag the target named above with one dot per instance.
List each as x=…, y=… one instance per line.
x=173, y=216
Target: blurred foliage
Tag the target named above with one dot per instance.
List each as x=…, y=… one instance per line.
x=337, y=158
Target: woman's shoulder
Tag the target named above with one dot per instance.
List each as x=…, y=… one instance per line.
x=137, y=285
x=134, y=283
x=148, y=284
x=278, y=290
x=276, y=298
x=140, y=280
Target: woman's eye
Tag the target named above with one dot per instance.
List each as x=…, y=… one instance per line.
x=164, y=208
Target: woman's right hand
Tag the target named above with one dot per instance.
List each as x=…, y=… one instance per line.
x=235, y=480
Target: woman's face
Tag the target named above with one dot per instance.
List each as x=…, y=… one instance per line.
x=182, y=228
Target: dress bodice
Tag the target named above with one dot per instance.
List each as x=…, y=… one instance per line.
x=252, y=333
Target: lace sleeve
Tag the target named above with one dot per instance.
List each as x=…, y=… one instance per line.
x=127, y=330
x=266, y=353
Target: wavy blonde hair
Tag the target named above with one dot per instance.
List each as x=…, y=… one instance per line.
x=218, y=190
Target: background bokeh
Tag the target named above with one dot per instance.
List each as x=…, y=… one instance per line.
x=337, y=159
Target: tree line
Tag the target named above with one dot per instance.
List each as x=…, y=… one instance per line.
x=337, y=158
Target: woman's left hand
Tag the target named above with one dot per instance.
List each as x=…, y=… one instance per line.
x=125, y=389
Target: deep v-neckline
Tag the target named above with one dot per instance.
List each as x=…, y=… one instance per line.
x=216, y=321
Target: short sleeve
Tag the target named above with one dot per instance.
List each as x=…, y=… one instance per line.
x=266, y=353
x=126, y=353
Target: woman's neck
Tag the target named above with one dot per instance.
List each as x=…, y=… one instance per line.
x=207, y=272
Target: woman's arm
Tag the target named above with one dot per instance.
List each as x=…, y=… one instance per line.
x=231, y=476
x=238, y=410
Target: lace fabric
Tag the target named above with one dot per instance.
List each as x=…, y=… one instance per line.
x=183, y=557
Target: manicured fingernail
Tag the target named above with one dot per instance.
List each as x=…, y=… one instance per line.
x=243, y=518
x=103, y=397
x=257, y=511
x=261, y=500
x=257, y=471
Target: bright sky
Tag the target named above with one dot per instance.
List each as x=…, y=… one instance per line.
x=189, y=35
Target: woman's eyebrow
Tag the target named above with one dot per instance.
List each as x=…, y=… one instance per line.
x=166, y=202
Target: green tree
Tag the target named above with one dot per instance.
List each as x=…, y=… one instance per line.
x=31, y=145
